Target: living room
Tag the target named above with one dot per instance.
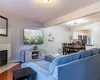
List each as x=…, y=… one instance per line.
x=55, y=30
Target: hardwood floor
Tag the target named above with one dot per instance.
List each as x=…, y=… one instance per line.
x=3, y=76
x=7, y=75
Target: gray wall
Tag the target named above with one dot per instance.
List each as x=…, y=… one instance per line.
x=17, y=27
x=15, y=35
x=6, y=40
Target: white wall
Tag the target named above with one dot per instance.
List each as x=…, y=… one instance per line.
x=61, y=35
x=96, y=31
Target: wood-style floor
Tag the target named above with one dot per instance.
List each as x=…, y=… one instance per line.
x=7, y=75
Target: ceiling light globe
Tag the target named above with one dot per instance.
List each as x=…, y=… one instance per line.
x=45, y=1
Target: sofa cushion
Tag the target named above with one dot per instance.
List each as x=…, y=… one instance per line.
x=84, y=53
x=95, y=51
x=43, y=64
x=98, y=50
x=49, y=58
x=63, y=60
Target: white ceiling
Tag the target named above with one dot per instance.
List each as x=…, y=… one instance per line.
x=83, y=21
x=36, y=11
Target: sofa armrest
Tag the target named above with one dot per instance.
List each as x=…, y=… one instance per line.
x=67, y=71
x=36, y=68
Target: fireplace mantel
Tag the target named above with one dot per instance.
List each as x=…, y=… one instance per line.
x=6, y=67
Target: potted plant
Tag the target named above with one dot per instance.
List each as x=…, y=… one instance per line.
x=35, y=47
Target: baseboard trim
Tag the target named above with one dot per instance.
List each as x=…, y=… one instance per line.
x=15, y=61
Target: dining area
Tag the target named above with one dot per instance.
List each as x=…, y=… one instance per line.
x=73, y=47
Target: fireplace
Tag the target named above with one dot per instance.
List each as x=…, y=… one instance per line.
x=3, y=57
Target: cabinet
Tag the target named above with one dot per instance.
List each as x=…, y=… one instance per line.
x=29, y=55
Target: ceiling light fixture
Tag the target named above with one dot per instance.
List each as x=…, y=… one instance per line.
x=75, y=23
x=45, y=1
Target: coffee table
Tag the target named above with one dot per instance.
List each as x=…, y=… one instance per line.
x=24, y=74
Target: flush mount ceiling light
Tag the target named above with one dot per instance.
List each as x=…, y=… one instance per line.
x=45, y=1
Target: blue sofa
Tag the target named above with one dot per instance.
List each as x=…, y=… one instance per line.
x=83, y=65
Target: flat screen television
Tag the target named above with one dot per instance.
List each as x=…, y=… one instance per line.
x=33, y=36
